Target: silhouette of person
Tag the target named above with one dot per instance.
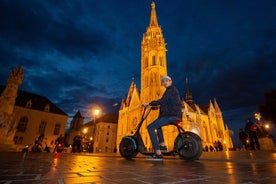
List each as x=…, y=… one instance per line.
x=243, y=138
x=251, y=130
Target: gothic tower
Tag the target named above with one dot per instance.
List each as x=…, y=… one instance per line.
x=7, y=102
x=153, y=66
x=153, y=60
x=198, y=119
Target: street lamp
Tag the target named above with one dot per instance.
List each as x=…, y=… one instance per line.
x=84, y=131
x=95, y=113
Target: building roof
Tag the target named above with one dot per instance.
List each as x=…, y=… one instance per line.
x=38, y=102
x=110, y=117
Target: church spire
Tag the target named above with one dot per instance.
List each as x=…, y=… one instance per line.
x=153, y=60
x=189, y=97
x=153, y=18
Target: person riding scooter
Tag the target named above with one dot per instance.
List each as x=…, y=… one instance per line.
x=59, y=144
x=170, y=111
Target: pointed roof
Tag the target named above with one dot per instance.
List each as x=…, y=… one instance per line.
x=189, y=97
x=78, y=115
x=216, y=105
x=130, y=92
x=154, y=30
x=153, y=17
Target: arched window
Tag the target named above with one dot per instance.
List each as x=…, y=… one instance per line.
x=22, y=124
x=153, y=60
x=161, y=60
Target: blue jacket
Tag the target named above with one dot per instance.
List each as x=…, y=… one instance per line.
x=170, y=103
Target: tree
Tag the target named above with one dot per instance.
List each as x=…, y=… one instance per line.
x=268, y=109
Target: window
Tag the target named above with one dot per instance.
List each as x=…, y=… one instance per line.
x=47, y=108
x=153, y=60
x=161, y=61
x=22, y=124
x=57, y=129
x=146, y=62
x=29, y=104
x=20, y=140
x=42, y=127
x=15, y=139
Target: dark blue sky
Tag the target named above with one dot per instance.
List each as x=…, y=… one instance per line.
x=85, y=52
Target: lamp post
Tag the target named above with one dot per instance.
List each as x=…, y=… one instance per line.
x=95, y=113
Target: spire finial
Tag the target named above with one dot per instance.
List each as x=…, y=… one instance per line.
x=153, y=18
x=189, y=97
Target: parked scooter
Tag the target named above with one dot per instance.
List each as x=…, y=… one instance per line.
x=187, y=144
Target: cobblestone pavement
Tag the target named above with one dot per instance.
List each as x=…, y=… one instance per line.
x=217, y=167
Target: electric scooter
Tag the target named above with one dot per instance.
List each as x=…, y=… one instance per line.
x=187, y=144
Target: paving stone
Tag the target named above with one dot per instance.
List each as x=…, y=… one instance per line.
x=246, y=167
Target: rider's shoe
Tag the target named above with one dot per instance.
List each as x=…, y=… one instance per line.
x=157, y=157
x=163, y=148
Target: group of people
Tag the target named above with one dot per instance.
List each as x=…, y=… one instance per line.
x=213, y=148
x=38, y=143
x=249, y=136
x=82, y=143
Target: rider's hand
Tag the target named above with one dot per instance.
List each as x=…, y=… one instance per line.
x=145, y=104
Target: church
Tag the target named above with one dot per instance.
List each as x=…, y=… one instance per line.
x=204, y=120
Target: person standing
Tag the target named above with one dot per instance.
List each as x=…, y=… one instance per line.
x=170, y=111
x=251, y=130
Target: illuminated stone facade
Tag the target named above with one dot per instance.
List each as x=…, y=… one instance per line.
x=29, y=114
x=206, y=121
x=101, y=132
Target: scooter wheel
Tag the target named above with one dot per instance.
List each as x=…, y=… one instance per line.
x=188, y=145
x=128, y=147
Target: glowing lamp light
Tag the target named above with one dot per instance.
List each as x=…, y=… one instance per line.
x=84, y=130
x=96, y=112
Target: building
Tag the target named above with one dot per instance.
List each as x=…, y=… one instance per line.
x=76, y=127
x=102, y=131
x=205, y=120
x=29, y=114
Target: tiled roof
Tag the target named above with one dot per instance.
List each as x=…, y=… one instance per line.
x=38, y=102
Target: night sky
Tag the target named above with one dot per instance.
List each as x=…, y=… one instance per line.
x=82, y=53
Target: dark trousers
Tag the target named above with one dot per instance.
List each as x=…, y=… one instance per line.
x=254, y=141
